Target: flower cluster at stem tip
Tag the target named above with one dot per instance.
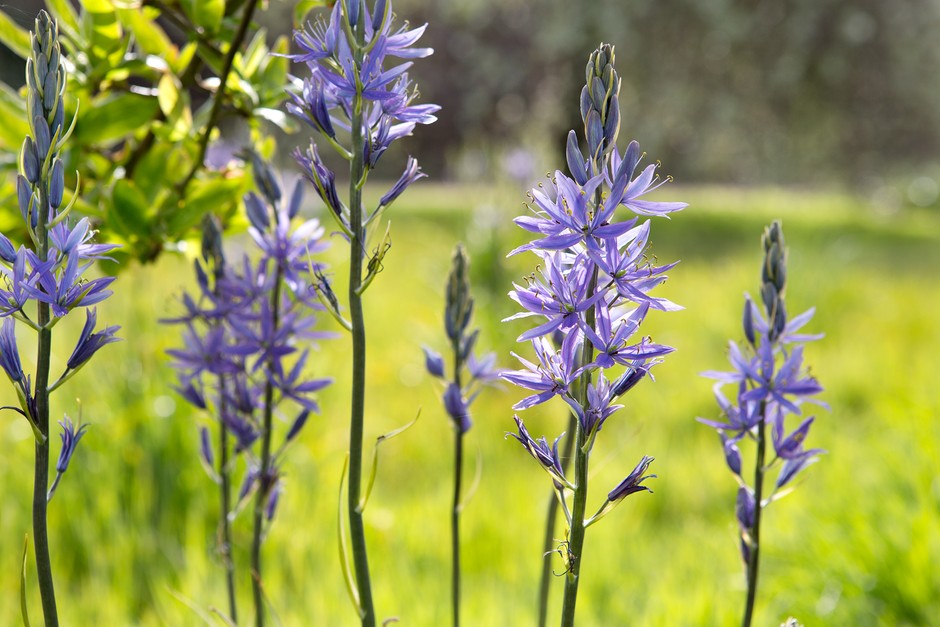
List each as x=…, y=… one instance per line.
x=326, y=99
x=591, y=292
x=771, y=384
x=458, y=311
x=50, y=273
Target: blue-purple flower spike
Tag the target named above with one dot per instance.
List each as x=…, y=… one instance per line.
x=44, y=279
x=357, y=95
x=771, y=384
x=593, y=288
x=244, y=357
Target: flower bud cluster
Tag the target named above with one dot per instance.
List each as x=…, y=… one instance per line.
x=458, y=310
x=771, y=383
x=593, y=283
x=242, y=330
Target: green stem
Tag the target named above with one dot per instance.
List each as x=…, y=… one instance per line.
x=265, y=478
x=455, y=512
x=455, y=526
x=551, y=516
x=356, y=319
x=225, y=548
x=581, y=454
x=754, y=556
x=41, y=474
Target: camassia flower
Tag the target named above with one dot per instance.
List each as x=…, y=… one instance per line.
x=771, y=384
x=242, y=331
x=592, y=292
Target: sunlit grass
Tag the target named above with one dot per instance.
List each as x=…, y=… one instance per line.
x=132, y=525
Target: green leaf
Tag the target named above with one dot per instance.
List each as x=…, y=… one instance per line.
x=63, y=12
x=278, y=118
x=217, y=194
x=130, y=209
x=100, y=27
x=174, y=102
x=110, y=118
x=148, y=34
x=14, y=37
x=13, y=113
x=24, y=611
x=304, y=7
x=205, y=13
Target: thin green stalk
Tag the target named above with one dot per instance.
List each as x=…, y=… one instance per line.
x=265, y=474
x=225, y=549
x=455, y=526
x=357, y=409
x=551, y=516
x=455, y=512
x=41, y=474
x=581, y=454
x=754, y=556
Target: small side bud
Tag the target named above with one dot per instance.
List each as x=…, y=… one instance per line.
x=57, y=184
x=575, y=159
x=257, y=212
x=378, y=14
x=30, y=158
x=748, y=321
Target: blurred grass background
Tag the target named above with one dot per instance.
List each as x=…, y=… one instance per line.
x=133, y=523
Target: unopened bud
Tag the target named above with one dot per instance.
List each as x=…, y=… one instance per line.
x=56, y=184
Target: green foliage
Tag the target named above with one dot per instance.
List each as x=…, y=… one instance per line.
x=855, y=544
x=146, y=114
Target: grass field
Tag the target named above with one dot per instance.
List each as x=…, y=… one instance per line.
x=858, y=543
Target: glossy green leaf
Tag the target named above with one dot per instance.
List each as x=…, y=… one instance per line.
x=285, y=122
x=302, y=8
x=174, y=102
x=100, y=27
x=219, y=195
x=63, y=12
x=150, y=37
x=13, y=113
x=112, y=117
x=205, y=13
x=13, y=36
x=130, y=209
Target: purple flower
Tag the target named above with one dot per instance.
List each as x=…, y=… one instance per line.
x=17, y=282
x=70, y=438
x=433, y=362
x=552, y=376
x=456, y=406
x=633, y=482
x=539, y=449
x=205, y=448
x=411, y=174
x=621, y=171
x=611, y=341
x=89, y=343
x=745, y=508
x=600, y=394
x=9, y=352
x=561, y=295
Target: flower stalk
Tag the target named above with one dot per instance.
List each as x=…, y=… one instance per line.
x=49, y=274
x=771, y=384
x=460, y=392
x=348, y=88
